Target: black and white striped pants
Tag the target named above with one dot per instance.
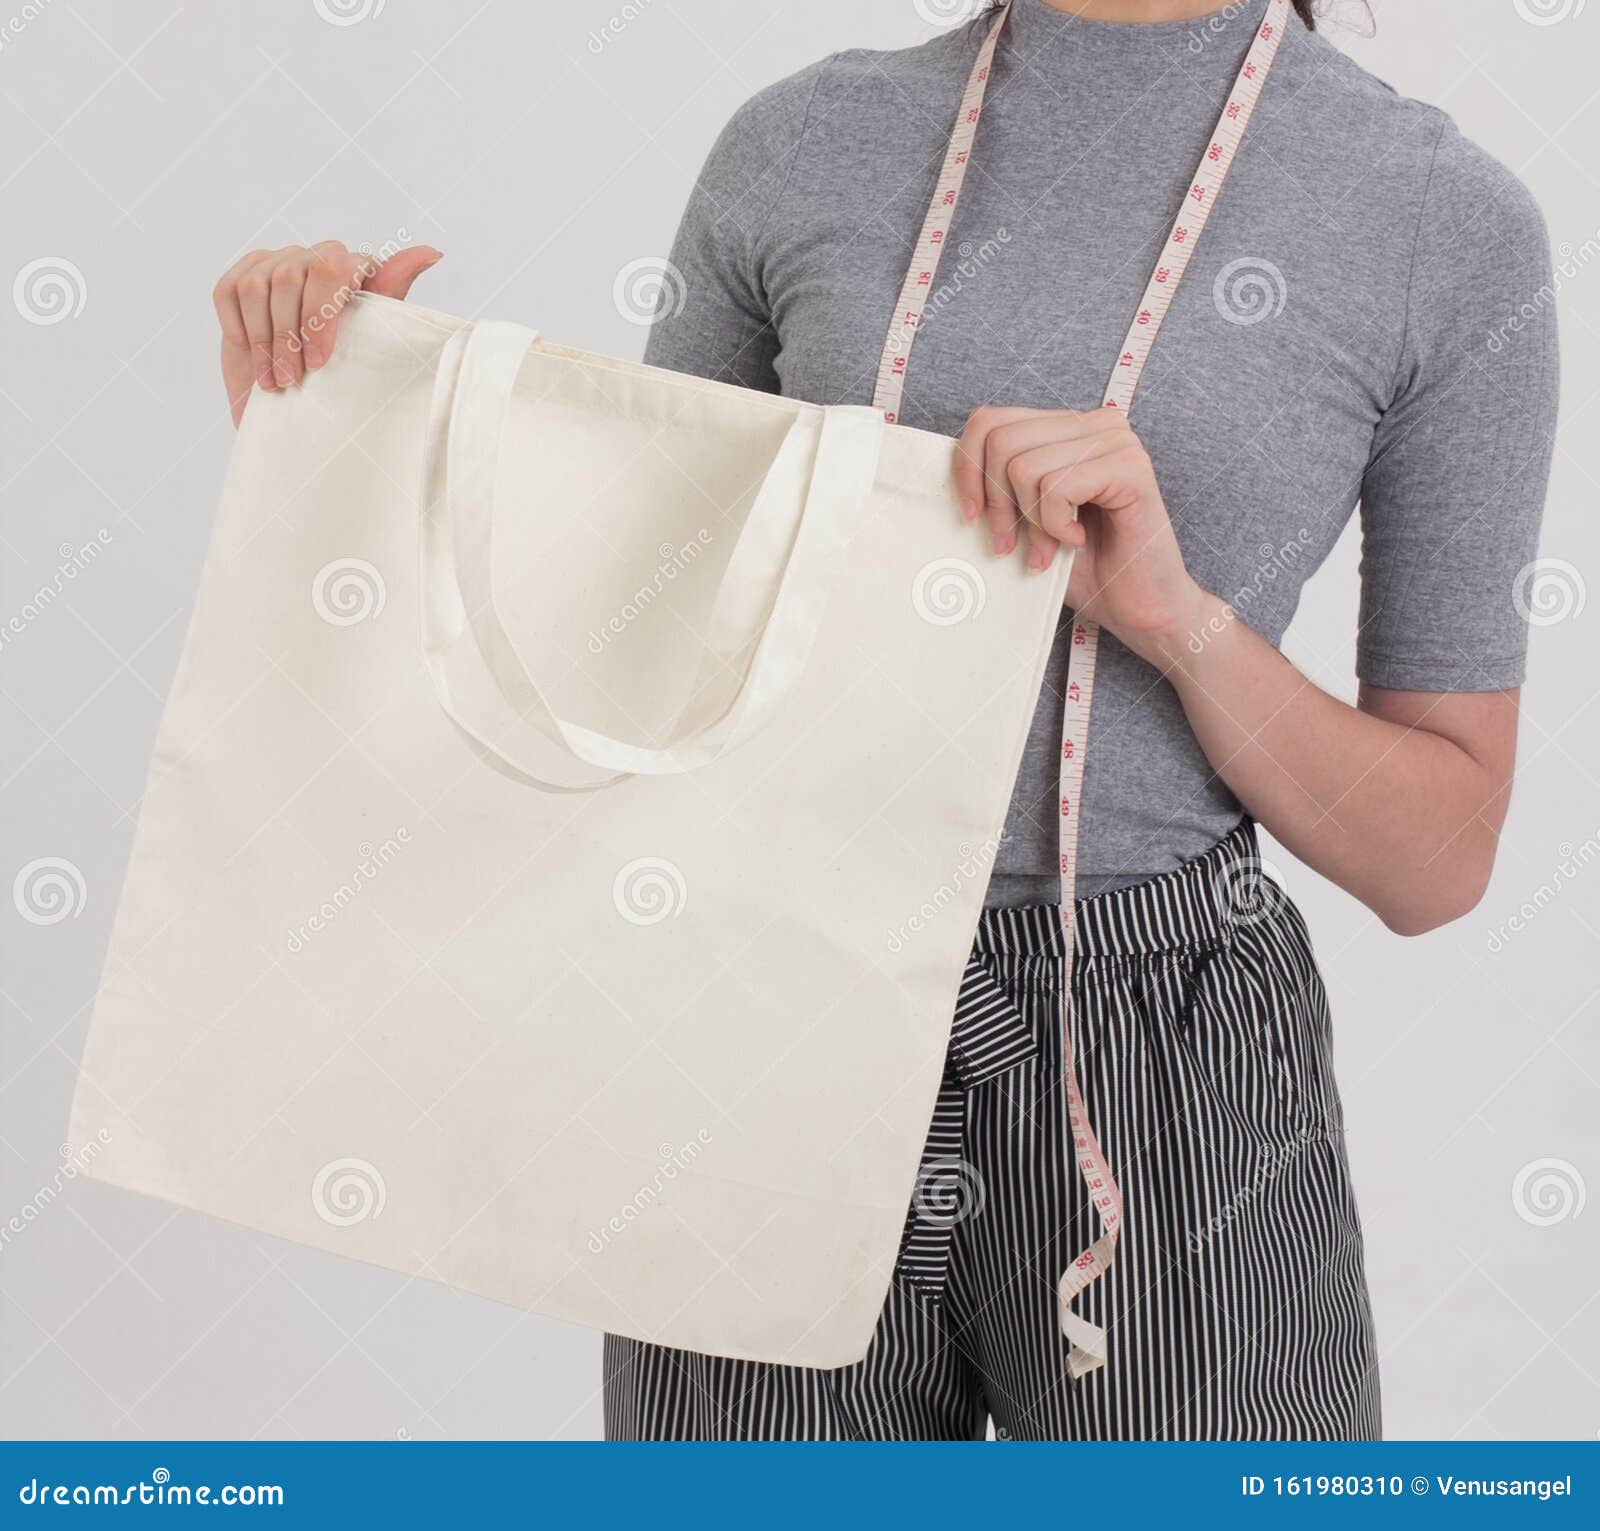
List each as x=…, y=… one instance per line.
x=1236, y=1306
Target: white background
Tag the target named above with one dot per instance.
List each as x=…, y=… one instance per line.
x=147, y=145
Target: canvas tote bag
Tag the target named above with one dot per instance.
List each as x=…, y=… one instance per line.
x=565, y=835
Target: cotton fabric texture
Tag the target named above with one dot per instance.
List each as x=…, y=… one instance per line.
x=1362, y=322
x=659, y=1057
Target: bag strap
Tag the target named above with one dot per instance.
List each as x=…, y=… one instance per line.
x=791, y=547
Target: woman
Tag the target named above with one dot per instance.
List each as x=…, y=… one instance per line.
x=1340, y=338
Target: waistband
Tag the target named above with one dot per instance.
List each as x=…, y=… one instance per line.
x=1192, y=909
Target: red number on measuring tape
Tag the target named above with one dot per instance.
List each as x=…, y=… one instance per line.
x=1203, y=192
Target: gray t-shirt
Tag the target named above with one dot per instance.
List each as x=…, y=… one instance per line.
x=1366, y=319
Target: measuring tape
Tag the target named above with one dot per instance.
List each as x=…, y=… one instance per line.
x=1087, y=1340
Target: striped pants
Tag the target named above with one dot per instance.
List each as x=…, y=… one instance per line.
x=1236, y=1306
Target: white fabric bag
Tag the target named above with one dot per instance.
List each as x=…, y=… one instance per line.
x=654, y=1052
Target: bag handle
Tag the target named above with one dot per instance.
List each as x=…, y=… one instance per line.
x=774, y=593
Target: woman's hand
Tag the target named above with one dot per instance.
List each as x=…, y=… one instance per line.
x=1083, y=478
x=279, y=309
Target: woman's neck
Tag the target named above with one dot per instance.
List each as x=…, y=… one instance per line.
x=1136, y=10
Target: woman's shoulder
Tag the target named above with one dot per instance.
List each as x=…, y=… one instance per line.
x=1386, y=143
x=835, y=93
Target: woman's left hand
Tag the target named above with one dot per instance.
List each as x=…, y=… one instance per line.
x=1084, y=478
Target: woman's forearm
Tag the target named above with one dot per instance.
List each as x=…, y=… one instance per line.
x=1394, y=809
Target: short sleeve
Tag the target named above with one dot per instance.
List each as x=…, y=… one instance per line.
x=712, y=316
x=1454, y=490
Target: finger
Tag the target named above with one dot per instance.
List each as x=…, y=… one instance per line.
x=238, y=375
x=1100, y=481
x=288, y=288
x=1033, y=442
x=1000, y=501
x=1055, y=459
x=394, y=277
x=966, y=467
x=1042, y=548
x=255, y=306
x=332, y=274
x=1058, y=510
x=1026, y=471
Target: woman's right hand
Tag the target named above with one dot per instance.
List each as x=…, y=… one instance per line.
x=279, y=309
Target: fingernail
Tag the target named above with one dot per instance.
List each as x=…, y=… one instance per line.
x=1040, y=559
x=1002, y=546
x=969, y=510
x=264, y=375
x=280, y=371
x=313, y=354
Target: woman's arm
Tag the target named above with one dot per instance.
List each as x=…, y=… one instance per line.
x=1399, y=800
